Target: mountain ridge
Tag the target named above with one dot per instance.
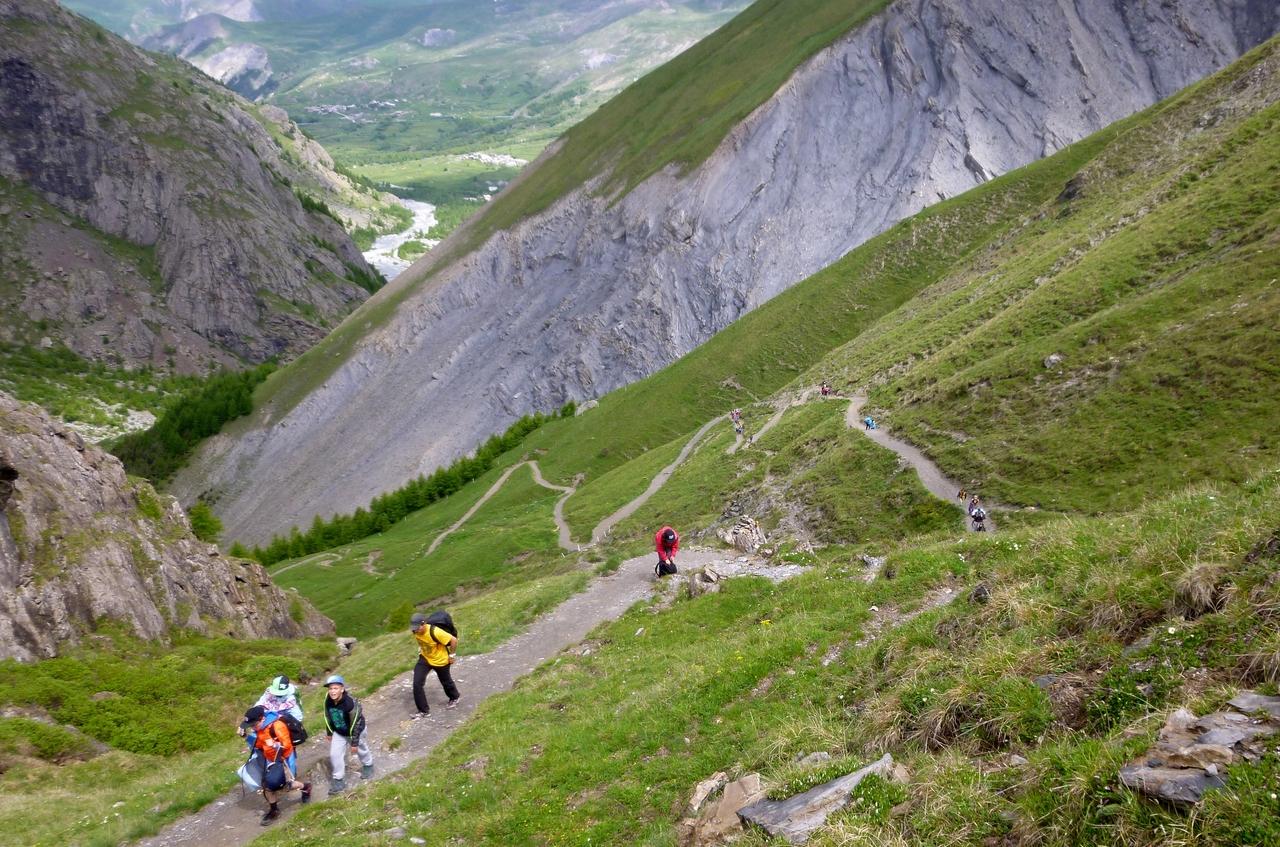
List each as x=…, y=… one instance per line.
x=131, y=189
x=684, y=256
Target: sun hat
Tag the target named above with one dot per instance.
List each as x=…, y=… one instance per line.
x=417, y=620
x=281, y=687
x=336, y=680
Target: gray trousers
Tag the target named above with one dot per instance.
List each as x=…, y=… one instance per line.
x=338, y=746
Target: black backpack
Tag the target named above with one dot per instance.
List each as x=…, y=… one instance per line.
x=443, y=620
x=297, y=731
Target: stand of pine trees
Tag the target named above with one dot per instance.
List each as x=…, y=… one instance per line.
x=386, y=509
x=157, y=453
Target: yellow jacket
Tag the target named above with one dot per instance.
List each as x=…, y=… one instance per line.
x=433, y=644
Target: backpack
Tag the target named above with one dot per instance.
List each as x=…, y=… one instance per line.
x=664, y=568
x=443, y=620
x=276, y=776
x=979, y=514
x=297, y=731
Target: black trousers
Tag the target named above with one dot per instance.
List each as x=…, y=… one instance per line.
x=420, y=672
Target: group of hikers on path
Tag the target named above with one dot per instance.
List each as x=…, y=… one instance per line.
x=273, y=728
x=976, y=513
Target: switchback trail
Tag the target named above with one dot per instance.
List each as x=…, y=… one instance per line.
x=603, y=528
x=557, y=514
x=234, y=819
x=475, y=507
x=938, y=484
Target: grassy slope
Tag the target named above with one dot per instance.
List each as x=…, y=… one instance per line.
x=1157, y=286
x=360, y=584
x=950, y=694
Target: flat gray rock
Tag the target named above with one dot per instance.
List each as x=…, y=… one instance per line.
x=796, y=818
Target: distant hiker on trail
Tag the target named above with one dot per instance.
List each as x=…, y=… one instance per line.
x=979, y=516
x=869, y=422
x=963, y=494
x=667, y=542
x=974, y=504
x=281, y=696
x=437, y=641
x=825, y=389
x=736, y=417
x=345, y=725
x=272, y=764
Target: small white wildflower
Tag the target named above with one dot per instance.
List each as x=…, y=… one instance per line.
x=1172, y=630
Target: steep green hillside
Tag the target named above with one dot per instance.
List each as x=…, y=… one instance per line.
x=1116, y=345
x=745, y=684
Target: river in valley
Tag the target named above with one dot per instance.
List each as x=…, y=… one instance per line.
x=382, y=255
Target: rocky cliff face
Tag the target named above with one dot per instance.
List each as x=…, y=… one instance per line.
x=927, y=100
x=81, y=544
x=149, y=216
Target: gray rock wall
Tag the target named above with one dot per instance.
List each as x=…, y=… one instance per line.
x=81, y=543
x=925, y=101
x=148, y=216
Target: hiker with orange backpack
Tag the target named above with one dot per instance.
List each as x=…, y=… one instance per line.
x=273, y=764
x=666, y=541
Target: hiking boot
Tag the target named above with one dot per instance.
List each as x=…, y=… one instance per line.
x=366, y=772
x=272, y=814
x=420, y=715
x=337, y=786
x=306, y=792
x=453, y=704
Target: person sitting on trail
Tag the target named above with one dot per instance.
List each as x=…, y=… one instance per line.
x=267, y=734
x=281, y=696
x=344, y=723
x=667, y=542
x=436, y=646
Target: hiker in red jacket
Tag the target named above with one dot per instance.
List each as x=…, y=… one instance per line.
x=666, y=541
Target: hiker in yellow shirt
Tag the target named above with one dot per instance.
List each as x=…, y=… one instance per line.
x=436, y=647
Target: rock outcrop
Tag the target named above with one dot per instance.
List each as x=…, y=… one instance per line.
x=927, y=99
x=81, y=544
x=150, y=217
x=1192, y=754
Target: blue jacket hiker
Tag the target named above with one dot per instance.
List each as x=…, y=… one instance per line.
x=345, y=725
x=273, y=763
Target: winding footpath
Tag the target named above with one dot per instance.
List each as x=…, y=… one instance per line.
x=603, y=528
x=931, y=476
x=234, y=819
x=399, y=741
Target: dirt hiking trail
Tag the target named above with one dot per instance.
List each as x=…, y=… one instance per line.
x=235, y=818
x=938, y=483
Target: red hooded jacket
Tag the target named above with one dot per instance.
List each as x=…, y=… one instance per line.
x=661, y=547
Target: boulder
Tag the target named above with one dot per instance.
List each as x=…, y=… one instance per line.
x=745, y=535
x=705, y=581
x=719, y=819
x=1180, y=786
x=1191, y=752
x=704, y=790
x=1052, y=360
x=345, y=645
x=796, y=818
